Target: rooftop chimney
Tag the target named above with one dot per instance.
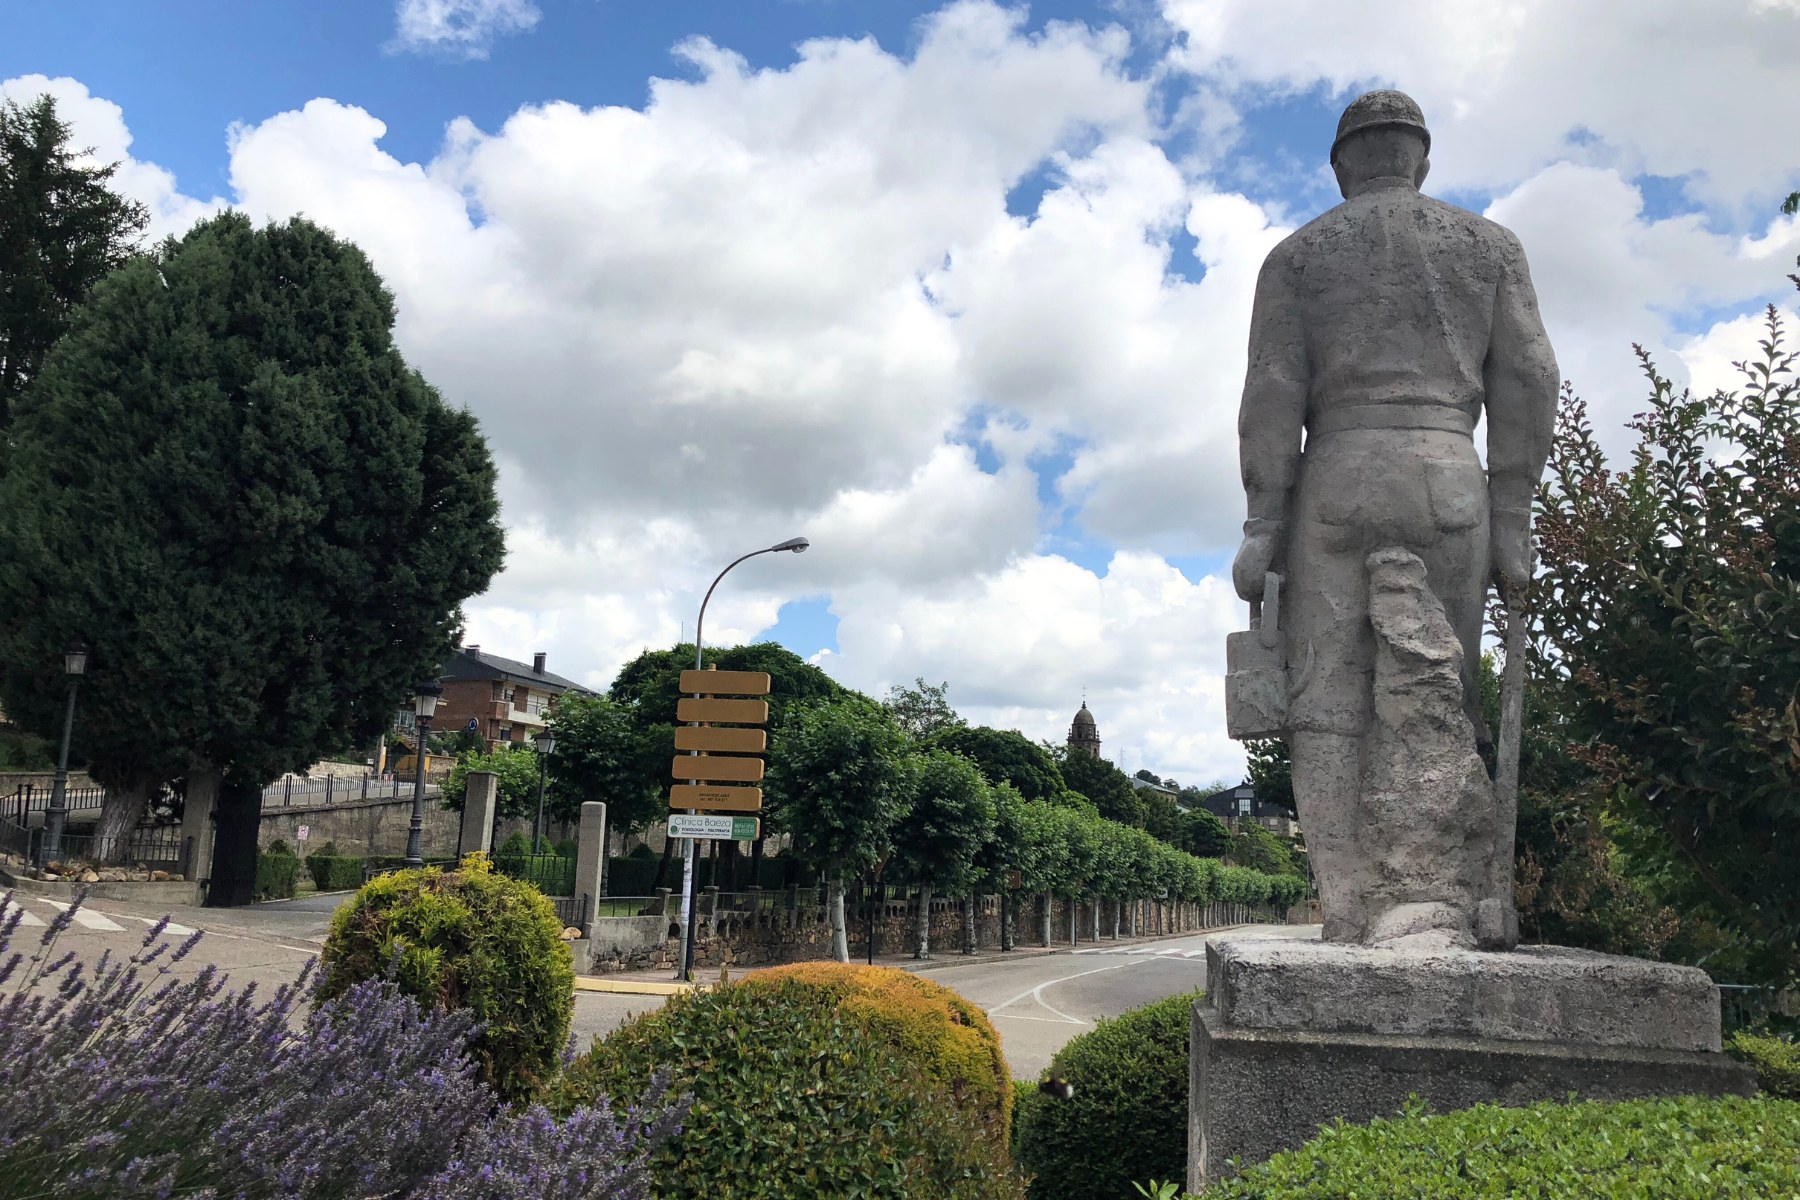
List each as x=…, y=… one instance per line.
x=471, y=649
x=537, y=663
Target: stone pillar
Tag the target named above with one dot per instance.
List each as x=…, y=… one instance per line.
x=590, y=858
x=479, y=799
x=197, y=820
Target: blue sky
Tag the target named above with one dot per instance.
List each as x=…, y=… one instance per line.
x=956, y=289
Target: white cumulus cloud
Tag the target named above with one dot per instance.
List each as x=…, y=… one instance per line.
x=464, y=29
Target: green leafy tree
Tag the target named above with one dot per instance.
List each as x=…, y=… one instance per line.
x=1255, y=847
x=1667, y=605
x=262, y=522
x=922, y=710
x=650, y=687
x=1004, y=756
x=596, y=759
x=516, y=780
x=62, y=230
x=1203, y=834
x=950, y=818
x=1270, y=772
x=1105, y=785
x=843, y=784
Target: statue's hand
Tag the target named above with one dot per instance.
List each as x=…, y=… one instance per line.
x=1509, y=547
x=1254, y=558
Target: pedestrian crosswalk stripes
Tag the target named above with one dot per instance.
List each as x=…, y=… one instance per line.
x=86, y=918
x=1149, y=951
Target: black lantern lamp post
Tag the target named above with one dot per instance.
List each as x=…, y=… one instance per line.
x=74, y=666
x=424, y=705
x=546, y=746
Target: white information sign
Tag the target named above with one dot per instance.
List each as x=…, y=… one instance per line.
x=724, y=828
x=302, y=833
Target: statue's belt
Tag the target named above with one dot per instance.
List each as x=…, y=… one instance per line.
x=1344, y=418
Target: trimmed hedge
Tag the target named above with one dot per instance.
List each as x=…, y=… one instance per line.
x=1685, y=1148
x=938, y=1033
x=466, y=938
x=335, y=873
x=1776, y=1061
x=277, y=872
x=1127, y=1120
x=794, y=1098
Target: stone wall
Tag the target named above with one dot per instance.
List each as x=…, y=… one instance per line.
x=791, y=927
x=362, y=827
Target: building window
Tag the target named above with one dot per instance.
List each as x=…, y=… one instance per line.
x=1243, y=806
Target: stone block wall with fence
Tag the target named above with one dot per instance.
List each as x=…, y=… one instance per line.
x=766, y=927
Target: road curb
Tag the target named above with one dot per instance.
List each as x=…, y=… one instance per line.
x=633, y=987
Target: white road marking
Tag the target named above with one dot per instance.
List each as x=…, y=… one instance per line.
x=28, y=919
x=1036, y=996
x=87, y=918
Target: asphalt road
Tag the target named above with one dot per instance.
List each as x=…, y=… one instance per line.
x=1037, y=1002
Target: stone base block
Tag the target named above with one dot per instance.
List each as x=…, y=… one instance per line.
x=1255, y=1092
x=1532, y=994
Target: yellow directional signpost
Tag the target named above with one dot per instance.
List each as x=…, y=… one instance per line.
x=717, y=763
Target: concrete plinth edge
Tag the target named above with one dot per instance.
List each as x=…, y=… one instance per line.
x=1254, y=1093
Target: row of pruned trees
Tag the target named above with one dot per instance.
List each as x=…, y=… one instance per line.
x=859, y=799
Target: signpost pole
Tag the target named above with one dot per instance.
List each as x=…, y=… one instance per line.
x=686, y=970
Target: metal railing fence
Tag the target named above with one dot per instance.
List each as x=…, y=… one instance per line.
x=551, y=874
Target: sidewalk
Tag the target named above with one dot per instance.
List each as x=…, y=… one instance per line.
x=661, y=983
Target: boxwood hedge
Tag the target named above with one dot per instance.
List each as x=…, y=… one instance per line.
x=466, y=938
x=1685, y=1148
x=1127, y=1119
x=938, y=1033
x=794, y=1098
x=1776, y=1061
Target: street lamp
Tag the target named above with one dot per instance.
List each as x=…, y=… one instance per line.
x=546, y=746
x=424, y=705
x=74, y=666
x=794, y=545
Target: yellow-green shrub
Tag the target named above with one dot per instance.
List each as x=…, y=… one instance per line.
x=794, y=1098
x=1776, y=1061
x=466, y=938
x=938, y=1033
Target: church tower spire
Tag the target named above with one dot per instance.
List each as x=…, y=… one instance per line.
x=1084, y=735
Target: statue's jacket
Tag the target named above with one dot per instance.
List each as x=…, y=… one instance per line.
x=1382, y=332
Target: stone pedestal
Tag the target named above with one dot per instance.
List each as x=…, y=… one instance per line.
x=1294, y=1034
x=590, y=859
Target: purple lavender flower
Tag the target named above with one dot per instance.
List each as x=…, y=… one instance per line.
x=120, y=1079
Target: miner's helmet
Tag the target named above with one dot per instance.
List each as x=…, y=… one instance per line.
x=1376, y=110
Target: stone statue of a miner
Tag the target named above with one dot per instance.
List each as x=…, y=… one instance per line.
x=1382, y=332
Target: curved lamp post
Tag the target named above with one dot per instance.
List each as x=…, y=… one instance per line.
x=690, y=875
x=546, y=746
x=424, y=705
x=74, y=666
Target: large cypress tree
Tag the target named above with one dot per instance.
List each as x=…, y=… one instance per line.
x=230, y=484
x=61, y=231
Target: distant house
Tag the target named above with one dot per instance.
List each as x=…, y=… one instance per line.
x=1161, y=789
x=499, y=699
x=1234, y=804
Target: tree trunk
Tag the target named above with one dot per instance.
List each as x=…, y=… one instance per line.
x=1132, y=916
x=234, y=847
x=1096, y=922
x=924, y=947
x=840, y=938
x=120, y=813
x=1006, y=921
x=1046, y=938
x=1074, y=920
x=969, y=906
x=662, y=867
x=1118, y=917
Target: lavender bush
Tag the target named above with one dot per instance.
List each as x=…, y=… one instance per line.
x=125, y=1080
